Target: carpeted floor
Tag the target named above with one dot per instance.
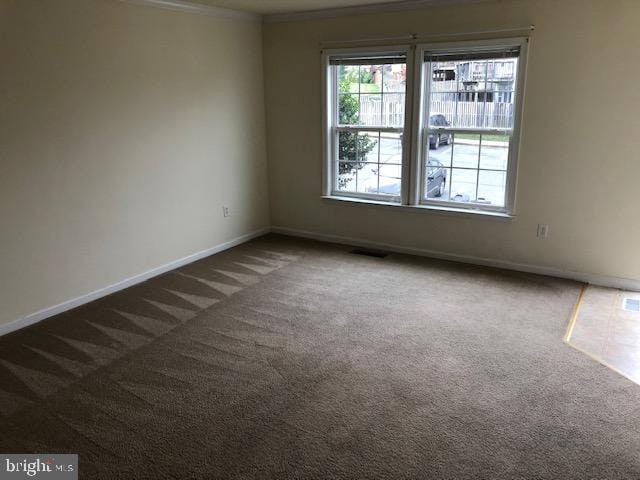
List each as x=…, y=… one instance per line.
x=286, y=358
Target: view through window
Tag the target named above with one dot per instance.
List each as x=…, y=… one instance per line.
x=471, y=112
x=371, y=97
x=466, y=103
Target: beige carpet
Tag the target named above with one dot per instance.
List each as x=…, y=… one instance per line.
x=285, y=358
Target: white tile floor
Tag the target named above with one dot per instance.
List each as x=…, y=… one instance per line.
x=605, y=330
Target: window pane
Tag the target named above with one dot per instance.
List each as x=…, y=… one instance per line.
x=502, y=70
x=492, y=187
x=348, y=106
x=359, y=155
x=370, y=78
x=370, y=162
x=494, y=152
x=372, y=95
x=348, y=79
x=390, y=148
x=474, y=93
x=463, y=185
x=442, y=110
x=346, y=181
x=465, y=182
x=478, y=77
x=440, y=147
x=390, y=179
x=367, y=178
x=368, y=146
x=393, y=110
x=358, y=146
x=394, y=78
x=437, y=181
x=370, y=112
x=372, y=178
x=466, y=150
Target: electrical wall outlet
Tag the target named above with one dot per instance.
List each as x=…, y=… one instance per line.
x=225, y=211
x=543, y=230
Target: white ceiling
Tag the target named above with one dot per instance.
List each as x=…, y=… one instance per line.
x=267, y=7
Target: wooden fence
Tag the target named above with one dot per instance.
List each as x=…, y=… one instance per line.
x=476, y=114
x=390, y=112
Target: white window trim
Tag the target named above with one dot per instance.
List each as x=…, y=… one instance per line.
x=414, y=137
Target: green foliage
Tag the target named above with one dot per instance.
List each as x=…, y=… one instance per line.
x=366, y=76
x=348, y=107
x=351, y=146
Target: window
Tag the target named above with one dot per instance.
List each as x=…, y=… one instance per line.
x=468, y=158
x=368, y=107
x=460, y=152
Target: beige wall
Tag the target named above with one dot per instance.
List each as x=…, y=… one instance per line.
x=579, y=167
x=123, y=131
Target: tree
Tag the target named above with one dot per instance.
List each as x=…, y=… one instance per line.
x=351, y=146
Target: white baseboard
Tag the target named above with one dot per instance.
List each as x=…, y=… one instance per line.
x=594, y=279
x=602, y=280
x=128, y=282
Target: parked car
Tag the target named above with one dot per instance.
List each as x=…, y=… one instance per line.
x=437, y=120
x=436, y=178
x=436, y=182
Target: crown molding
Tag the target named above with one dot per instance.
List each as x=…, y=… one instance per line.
x=228, y=13
x=198, y=9
x=363, y=9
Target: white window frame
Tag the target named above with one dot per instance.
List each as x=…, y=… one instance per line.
x=415, y=133
x=331, y=126
x=421, y=113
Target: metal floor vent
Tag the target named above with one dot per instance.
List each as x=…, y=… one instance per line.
x=367, y=252
x=631, y=305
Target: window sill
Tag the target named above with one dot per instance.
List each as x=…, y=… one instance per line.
x=429, y=209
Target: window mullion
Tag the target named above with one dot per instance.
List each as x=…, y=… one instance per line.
x=379, y=148
x=410, y=169
x=457, y=93
x=478, y=167
x=415, y=130
x=484, y=124
x=357, y=162
x=484, y=104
